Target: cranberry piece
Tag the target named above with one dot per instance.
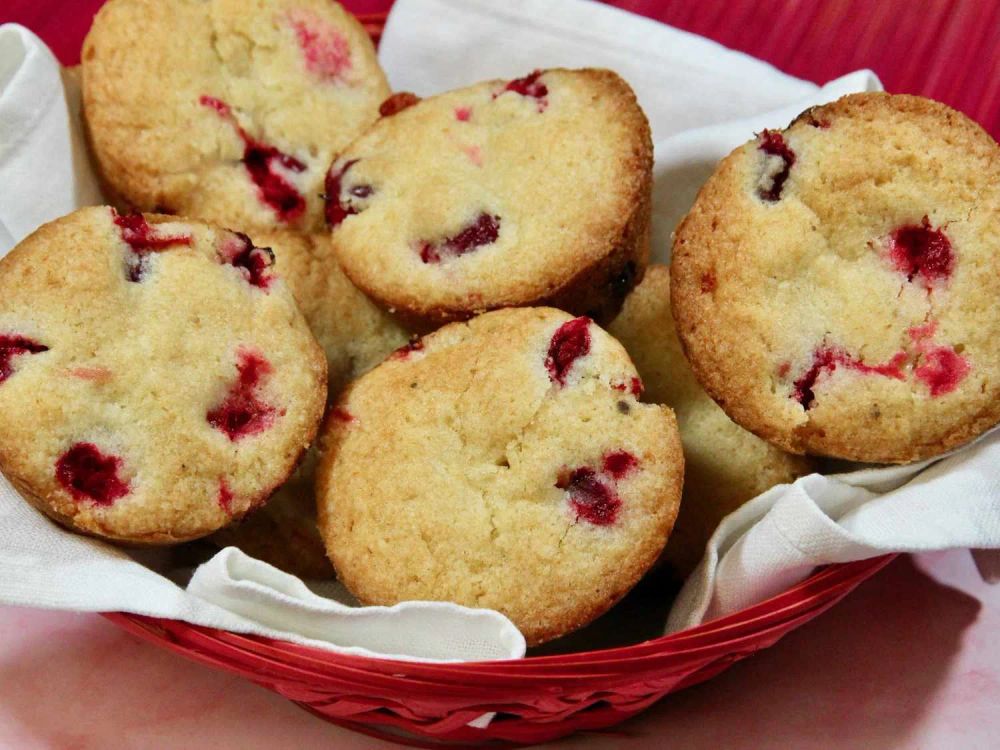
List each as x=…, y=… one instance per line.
x=140, y=235
x=483, y=231
x=620, y=463
x=463, y=114
x=570, y=342
x=415, y=344
x=262, y=161
x=590, y=496
x=341, y=415
x=925, y=331
x=225, y=496
x=242, y=412
x=254, y=263
x=826, y=359
x=529, y=86
x=772, y=143
x=920, y=250
x=142, y=238
x=397, y=103
x=325, y=50
x=942, y=369
x=88, y=474
x=12, y=345
x=634, y=386
x=336, y=209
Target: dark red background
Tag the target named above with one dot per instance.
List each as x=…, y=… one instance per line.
x=945, y=49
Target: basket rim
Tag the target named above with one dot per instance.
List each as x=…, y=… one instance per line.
x=723, y=634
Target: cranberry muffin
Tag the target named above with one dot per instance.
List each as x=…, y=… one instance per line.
x=834, y=283
x=724, y=465
x=157, y=380
x=524, y=475
x=505, y=193
x=226, y=110
x=356, y=335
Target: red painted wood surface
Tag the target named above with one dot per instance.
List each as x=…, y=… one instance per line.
x=946, y=49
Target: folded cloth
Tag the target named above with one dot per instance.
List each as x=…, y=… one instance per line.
x=44, y=172
x=684, y=82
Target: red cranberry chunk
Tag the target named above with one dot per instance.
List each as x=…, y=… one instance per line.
x=225, y=496
x=920, y=250
x=415, y=344
x=826, y=359
x=634, y=386
x=570, y=342
x=143, y=239
x=90, y=475
x=262, y=162
x=620, y=463
x=242, y=412
x=397, y=103
x=140, y=235
x=255, y=263
x=772, y=143
x=591, y=498
x=326, y=51
x=463, y=114
x=337, y=209
x=341, y=414
x=529, y=86
x=942, y=370
x=12, y=345
x=483, y=231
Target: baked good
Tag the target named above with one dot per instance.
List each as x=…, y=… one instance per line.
x=158, y=379
x=354, y=332
x=226, y=110
x=523, y=476
x=356, y=335
x=724, y=465
x=505, y=193
x=283, y=532
x=834, y=283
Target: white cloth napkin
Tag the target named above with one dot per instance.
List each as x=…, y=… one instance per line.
x=684, y=83
x=44, y=172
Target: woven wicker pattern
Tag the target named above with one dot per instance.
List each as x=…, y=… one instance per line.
x=537, y=699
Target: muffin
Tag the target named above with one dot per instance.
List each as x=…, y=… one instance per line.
x=356, y=335
x=523, y=474
x=724, y=465
x=158, y=380
x=833, y=284
x=502, y=194
x=224, y=110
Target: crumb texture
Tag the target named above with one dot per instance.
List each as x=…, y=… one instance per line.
x=150, y=409
x=226, y=110
x=505, y=193
x=504, y=489
x=850, y=312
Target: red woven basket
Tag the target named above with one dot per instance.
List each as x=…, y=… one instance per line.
x=536, y=699
x=545, y=697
